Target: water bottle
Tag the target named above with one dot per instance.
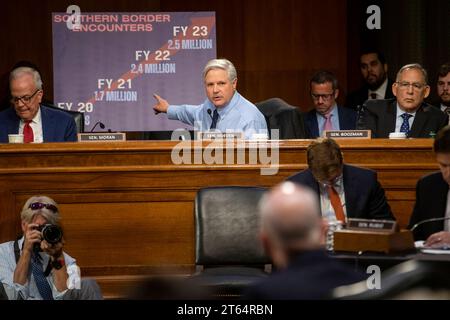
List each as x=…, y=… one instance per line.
x=332, y=227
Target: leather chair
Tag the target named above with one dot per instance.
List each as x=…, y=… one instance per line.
x=228, y=252
x=284, y=117
x=3, y=295
x=413, y=279
x=77, y=116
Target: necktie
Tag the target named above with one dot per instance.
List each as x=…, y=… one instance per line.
x=336, y=204
x=327, y=125
x=373, y=95
x=447, y=111
x=28, y=135
x=405, y=125
x=214, y=119
x=41, y=281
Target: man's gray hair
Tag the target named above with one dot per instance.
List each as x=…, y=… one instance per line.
x=20, y=71
x=413, y=66
x=223, y=64
x=27, y=213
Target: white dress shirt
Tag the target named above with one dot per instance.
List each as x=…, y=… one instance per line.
x=36, y=125
x=380, y=92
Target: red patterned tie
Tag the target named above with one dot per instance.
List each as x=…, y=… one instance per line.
x=28, y=135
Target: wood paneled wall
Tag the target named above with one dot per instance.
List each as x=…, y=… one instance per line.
x=127, y=208
x=275, y=45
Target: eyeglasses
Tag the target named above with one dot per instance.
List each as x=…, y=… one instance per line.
x=406, y=85
x=40, y=205
x=24, y=99
x=324, y=97
x=332, y=182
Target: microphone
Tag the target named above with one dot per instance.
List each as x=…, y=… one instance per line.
x=428, y=220
x=209, y=112
x=96, y=124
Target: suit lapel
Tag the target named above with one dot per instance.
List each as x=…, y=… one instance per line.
x=13, y=127
x=390, y=116
x=47, y=130
x=419, y=122
x=389, y=94
x=350, y=193
x=441, y=205
x=311, y=182
x=312, y=124
x=342, y=119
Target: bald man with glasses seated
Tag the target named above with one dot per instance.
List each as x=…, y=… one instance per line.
x=327, y=115
x=27, y=116
x=407, y=113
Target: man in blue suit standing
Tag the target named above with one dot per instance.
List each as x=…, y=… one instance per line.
x=37, y=123
x=343, y=191
x=327, y=115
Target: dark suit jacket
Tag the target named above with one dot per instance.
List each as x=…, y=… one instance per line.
x=364, y=196
x=431, y=202
x=310, y=275
x=380, y=117
x=358, y=97
x=57, y=126
x=347, y=121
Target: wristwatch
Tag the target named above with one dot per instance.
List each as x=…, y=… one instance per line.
x=58, y=263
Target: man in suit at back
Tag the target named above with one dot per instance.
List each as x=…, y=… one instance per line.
x=293, y=234
x=443, y=87
x=408, y=113
x=433, y=197
x=343, y=191
x=37, y=123
x=327, y=115
x=377, y=85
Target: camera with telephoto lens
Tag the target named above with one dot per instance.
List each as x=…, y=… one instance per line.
x=50, y=233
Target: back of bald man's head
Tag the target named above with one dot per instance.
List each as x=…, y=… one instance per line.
x=290, y=214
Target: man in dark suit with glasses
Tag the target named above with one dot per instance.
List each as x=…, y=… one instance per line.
x=28, y=117
x=327, y=115
x=407, y=113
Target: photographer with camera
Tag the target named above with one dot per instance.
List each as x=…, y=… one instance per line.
x=35, y=267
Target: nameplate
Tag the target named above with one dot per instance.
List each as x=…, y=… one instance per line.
x=217, y=135
x=372, y=225
x=348, y=134
x=101, y=136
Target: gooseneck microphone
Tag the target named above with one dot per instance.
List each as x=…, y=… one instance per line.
x=96, y=124
x=426, y=221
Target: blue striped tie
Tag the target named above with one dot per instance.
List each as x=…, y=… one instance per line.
x=39, y=277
